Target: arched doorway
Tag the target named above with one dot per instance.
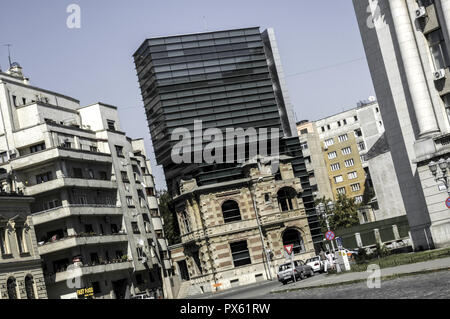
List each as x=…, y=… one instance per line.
x=293, y=237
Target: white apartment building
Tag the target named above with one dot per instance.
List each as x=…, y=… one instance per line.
x=407, y=45
x=95, y=212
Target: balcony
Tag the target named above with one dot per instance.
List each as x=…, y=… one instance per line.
x=75, y=210
x=68, y=182
x=85, y=270
x=75, y=241
x=157, y=224
x=162, y=243
x=51, y=154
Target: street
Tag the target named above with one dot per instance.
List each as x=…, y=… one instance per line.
x=434, y=285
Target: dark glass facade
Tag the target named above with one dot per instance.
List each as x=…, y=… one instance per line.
x=223, y=79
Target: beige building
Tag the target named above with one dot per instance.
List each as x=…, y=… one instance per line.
x=353, y=154
x=21, y=275
x=222, y=243
x=95, y=212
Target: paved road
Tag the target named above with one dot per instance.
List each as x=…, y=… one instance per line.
x=434, y=285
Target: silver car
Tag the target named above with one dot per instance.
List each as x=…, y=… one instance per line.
x=301, y=271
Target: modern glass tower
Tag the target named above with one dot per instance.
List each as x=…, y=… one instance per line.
x=226, y=79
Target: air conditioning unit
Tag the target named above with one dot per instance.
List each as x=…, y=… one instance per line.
x=439, y=74
x=421, y=12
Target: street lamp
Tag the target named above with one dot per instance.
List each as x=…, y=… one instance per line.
x=442, y=165
x=269, y=270
x=325, y=211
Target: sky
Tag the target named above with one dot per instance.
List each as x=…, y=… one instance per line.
x=317, y=40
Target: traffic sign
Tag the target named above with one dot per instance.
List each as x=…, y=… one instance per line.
x=289, y=249
x=329, y=235
x=447, y=202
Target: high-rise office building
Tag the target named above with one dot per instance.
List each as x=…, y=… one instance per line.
x=407, y=45
x=226, y=79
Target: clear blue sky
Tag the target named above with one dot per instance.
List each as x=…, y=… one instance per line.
x=95, y=63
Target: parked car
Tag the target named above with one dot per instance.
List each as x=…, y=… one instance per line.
x=316, y=263
x=301, y=271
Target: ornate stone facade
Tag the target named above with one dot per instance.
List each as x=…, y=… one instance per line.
x=221, y=237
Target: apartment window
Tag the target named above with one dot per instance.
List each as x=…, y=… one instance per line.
x=66, y=144
x=323, y=129
x=328, y=126
x=285, y=197
x=37, y=148
x=94, y=259
x=345, y=122
x=89, y=229
x=329, y=142
x=339, y=123
x=130, y=202
x=355, y=187
x=438, y=49
x=91, y=173
x=93, y=148
x=29, y=287
x=343, y=138
x=293, y=237
x=447, y=104
x=77, y=172
x=361, y=146
x=43, y=178
x=51, y=204
x=338, y=179
x=377, y=110
x=304, y=145
x=349, y=163
x=346, y=151
x=14, y=100
x=304, y=131
x=240, y=254
x=3, y=157
x=124, y=177
x=358, y=133
x=307, y=160
x=140, y=253
x=358, y=199
x=119, y=151
x=150, y=191
x=341, y=190
x=186, y=222
x=11, y=288
x=355, y=118
x=335, y=167
x=135, y=227
x=332, y=155
x=267, y=198
x=352, y=175
x=20, y=239
x=231, y=211
x=111, y=125
x=363, y=158
x=103, y=175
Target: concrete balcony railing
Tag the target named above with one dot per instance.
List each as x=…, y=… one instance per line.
x=50, y=154
x=76, y=272
x=68, y=182
x=152, y=202
x=157, y=223
x=74, y=241
x=75, y=210
x=162, y=244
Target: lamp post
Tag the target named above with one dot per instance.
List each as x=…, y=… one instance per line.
x=325, y=211
x=269, y=269
x=443, y=165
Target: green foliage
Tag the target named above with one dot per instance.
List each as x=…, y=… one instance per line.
x=171, y=229
x=345, y=214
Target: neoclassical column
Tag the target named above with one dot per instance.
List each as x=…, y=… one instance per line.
x=418, y=88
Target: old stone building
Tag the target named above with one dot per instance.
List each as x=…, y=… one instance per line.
x=233, y=232
x=21, y=275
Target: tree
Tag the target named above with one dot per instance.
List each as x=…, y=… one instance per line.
x=345, y=213
x=171, y=229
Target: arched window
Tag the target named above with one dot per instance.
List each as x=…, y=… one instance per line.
x=186, y=222
x=29, y=287
x=231, y=211
x=286, y=199
x=293, y=237
x=11, y=287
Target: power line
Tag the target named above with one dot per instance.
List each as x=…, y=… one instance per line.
x=326, y=67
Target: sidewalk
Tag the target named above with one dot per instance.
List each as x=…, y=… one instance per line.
x=435, y=264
